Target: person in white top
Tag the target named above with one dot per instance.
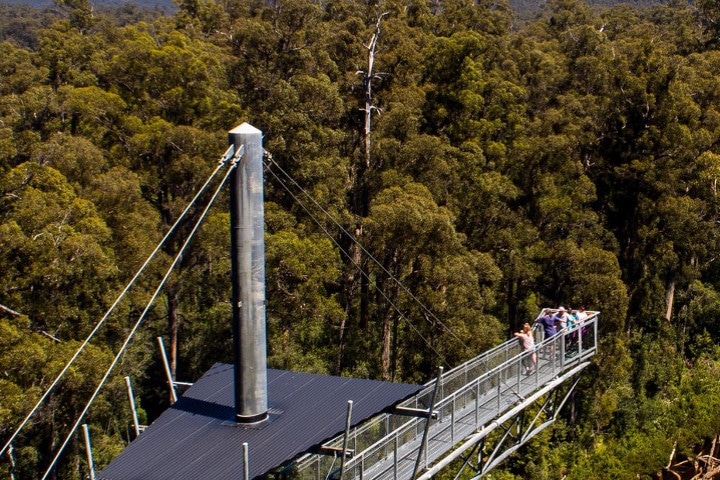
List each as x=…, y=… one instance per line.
x=560, y=319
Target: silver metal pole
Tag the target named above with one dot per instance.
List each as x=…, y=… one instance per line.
x=395, y=455
x=131, y=397
x=427, y=423
x=247, y=231
x=345, y=439
x=246, y=458
x=88, y=451
x=168, y=373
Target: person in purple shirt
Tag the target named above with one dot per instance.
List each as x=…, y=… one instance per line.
x=548, y=323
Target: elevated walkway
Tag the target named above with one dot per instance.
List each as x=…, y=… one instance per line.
x=483, y=411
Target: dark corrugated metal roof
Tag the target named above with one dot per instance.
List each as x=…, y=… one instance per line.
x=198, y=438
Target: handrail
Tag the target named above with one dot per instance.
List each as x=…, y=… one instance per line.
x=485, y=361
x=385, y=443
x=503, y=398
x=488, y=359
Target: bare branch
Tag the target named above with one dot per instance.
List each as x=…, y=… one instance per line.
x=9, y=310
x=50, y=336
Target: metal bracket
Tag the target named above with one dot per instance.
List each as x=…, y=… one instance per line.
x=415, y=412
x=331, y=450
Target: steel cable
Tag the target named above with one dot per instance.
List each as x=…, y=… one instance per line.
x=382, y=267
x=140, y=319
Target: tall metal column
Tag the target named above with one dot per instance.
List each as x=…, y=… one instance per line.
x=247, y=224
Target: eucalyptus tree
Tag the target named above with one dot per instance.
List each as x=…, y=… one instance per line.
x=654, y=141
x=291, y=59
x=57, y=269
x=429, y=288
x=157, y=93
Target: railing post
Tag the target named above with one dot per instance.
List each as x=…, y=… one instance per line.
x=133, y=410
x=88, y=452
x=596, y=332
x=580, y=338
x=362, y=467
x=397, y=460
x=345, y=440
x=519, y=365
x=423, y=441
x=168, y=372
x=387, y=431
x=452, y=419
x=477, y=404
x=246, y=461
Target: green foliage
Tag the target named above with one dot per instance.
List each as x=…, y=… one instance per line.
x=303, y=319
x=568, y=159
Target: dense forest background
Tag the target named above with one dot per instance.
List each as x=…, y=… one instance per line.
x=491, y=166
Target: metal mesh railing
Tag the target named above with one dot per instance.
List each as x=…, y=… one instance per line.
x=471, y=395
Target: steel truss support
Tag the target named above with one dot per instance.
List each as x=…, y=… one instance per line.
x=518, y=430
x=550, y=407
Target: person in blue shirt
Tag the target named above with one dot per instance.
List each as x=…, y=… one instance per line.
x=571, y=339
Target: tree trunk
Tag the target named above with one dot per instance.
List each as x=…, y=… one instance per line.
x=393, y=373
x=669, y=295
x=351, y=285
x=173, y=327
x=341, y=344
x=511, y=303
x=386, y=340
x=367, y=80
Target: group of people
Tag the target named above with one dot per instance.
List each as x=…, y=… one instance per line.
x=552, y=323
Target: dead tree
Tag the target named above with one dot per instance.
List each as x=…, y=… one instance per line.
x=368, y=77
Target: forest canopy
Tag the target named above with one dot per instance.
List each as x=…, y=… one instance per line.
x=459, y=169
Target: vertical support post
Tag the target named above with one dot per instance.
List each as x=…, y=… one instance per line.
x=421, y=449
x=88, y=452
x=345, y=439
x=395, y=456
x=595, y=329
x=168, y=373
x=246, y=459
x=452, y=420
x=477, y=404
x=247, y=231
x=579, y=330
x=131, y=397
x=387, y=432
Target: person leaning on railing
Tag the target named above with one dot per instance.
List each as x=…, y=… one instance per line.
x=528, y=345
